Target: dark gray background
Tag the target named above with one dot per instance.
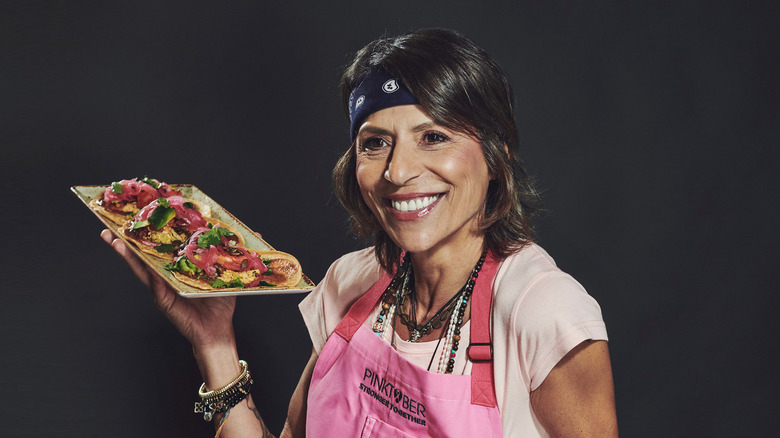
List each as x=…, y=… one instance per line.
x=650, y=126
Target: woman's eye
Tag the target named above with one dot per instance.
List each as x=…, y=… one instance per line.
x=373, y=144
x=434, y=138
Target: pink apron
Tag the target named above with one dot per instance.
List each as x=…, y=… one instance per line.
x=362, y=387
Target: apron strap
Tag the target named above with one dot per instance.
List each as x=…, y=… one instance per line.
x=480, y=349
x=362, y=308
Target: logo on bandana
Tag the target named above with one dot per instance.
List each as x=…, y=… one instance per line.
x=391, y=86
x=359, y=101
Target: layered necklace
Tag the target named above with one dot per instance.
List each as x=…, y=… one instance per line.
x=401, y=289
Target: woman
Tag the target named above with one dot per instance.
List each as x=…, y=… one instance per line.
x=479, y=333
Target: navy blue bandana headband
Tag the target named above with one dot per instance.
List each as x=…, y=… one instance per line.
x=377, y=91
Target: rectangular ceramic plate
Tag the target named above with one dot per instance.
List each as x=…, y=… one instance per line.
x=253, y=241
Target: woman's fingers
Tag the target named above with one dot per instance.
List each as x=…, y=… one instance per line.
x=107, y=236
x=164, y=297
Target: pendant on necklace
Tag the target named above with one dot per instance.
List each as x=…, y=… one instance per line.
x=414, y=335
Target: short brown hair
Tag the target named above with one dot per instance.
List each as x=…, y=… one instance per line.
x=462, y=88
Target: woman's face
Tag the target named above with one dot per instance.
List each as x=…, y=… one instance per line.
x=425, y=183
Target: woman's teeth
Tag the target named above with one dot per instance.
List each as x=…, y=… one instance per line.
x=414, y=204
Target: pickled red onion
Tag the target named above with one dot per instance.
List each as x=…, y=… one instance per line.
x=205, y=258
x=190, y=216
x=137, y=191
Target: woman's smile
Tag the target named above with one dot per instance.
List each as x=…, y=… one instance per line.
x=412, y=207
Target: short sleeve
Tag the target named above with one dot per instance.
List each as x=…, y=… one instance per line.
x=347, y=279
x=554, y=315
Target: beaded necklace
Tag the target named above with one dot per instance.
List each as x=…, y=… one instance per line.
x=396, y=294
x=417, y=331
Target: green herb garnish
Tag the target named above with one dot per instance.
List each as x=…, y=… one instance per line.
x=116, y=187
x=219, y=283
x=163, y=202
x=266, y=284
x=213, y=237
x=268, y=272
x=150, y=181
x=189, y=204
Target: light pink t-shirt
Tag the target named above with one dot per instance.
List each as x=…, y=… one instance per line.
x=539, y=314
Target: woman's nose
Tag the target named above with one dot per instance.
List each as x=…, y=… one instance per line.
x=404, y=164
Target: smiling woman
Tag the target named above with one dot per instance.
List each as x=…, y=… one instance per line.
x=461, y=90
x=454, y=323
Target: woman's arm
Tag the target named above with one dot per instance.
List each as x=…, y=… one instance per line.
x=244, y=419
x=218, y=367
x=208, y=325
x=295, y=425
x=577, y=398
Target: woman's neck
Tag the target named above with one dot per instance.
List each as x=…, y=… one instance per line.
x=439, y=273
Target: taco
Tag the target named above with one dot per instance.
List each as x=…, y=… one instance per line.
x=163, y=225
x=123, y=199
x=210, y=260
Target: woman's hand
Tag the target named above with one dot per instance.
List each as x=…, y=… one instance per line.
x=206, y=322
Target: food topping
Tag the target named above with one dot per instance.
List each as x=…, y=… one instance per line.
x=166, y=210
x=212, y=253
x=165, y=224
x=279, y=270
x=246, y=277
x=133, y=191
x=166, y=235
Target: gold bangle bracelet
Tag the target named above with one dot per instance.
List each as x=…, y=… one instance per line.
x=238, y=387
x=217, y=392
x=222, y=399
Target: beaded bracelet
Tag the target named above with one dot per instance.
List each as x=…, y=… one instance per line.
x=214, y=406
x=222, y=399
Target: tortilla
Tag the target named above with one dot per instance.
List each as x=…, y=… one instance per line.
x=120, y=218
x=114, y=216
x=148, y=249
x=286, y=270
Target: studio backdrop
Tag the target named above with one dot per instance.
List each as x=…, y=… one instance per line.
x=651, y=130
